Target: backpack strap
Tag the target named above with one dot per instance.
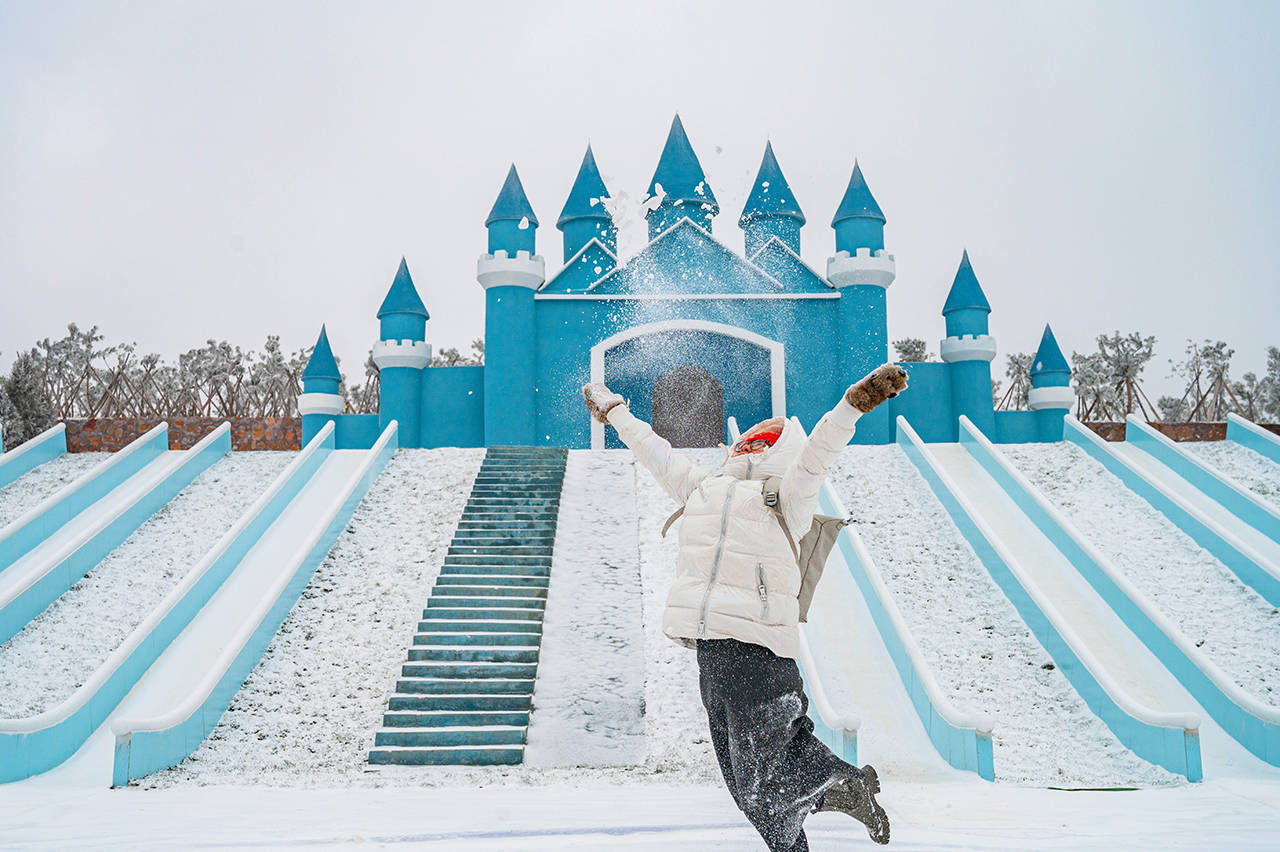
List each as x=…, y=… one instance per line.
x=770, y=488
x=671, y=520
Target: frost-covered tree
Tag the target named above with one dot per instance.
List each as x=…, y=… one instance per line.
x=1173, y=409
x=1106, y=381
x=1018, y=371
x=29, y=411
x=451, y=357
x=912, y=350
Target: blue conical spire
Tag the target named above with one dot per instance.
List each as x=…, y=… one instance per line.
x=771, y=196
x=403, y=297
x=858, y=202
x=966, y=292
x=1049, y=362
x=512, y=204
x=322, y=367
x=680, y=174
x=588, y=186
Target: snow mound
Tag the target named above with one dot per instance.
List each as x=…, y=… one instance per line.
x=34, y=486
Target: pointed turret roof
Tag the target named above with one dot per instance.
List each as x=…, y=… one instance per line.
x=858, y=202
x=1049, y=357
x=512, y=203
x=588, y=186
x=403, y=297
x=966, y=292
x=771, y=196
x=679, y=172
x=322, y=364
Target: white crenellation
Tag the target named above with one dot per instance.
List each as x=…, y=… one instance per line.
x=1058, y=396
x=503, y=270
x=862, y=267
x=319, y=403
x=402, y=353
x=967, y=347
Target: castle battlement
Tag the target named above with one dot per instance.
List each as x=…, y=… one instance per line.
x=967, y=347
x=414, y=354
x=864, y=266
x=501, y=269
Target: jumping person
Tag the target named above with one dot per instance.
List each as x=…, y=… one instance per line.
x=735, y=600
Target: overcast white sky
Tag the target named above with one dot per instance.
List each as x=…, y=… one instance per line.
x=179, y=171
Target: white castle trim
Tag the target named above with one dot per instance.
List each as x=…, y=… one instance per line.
x=319, y=403
x=503, y=270
x=775, y=348
x=877, y=269
x=1058, y=396
x=402, y=353
x=967, y=347
x=684, y=297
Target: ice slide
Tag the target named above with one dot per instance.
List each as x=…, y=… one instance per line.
x=866, y=678
x=1239, y=716
x=1119, y=679
x=1250, y=554
x=46, y=550
x=153, y=701
x=1251, y=435
x=46, y=446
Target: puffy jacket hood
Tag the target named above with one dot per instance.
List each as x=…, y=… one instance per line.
x=773, y=461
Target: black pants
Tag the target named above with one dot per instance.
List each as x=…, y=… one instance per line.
x=774, y=766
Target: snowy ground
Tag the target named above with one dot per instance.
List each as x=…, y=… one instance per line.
x=1230, y=622
x=28, y=490
x=1213, y=815
x=307, y=713
x=981, y=652
x=589, y=697
x=1250, y=469
x=61, y=647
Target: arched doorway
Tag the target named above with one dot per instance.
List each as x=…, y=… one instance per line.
x=688, y=407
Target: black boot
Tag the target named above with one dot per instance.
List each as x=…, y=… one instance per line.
x=856, y=796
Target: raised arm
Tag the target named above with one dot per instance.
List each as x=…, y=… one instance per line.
x=677, y=475
x=802, y=481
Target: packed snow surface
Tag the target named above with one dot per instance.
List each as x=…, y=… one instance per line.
x=982, y=654
x=589, y=697
x=1232, y=624
x=54, y=654
x=1248, y=468
x=307, y=713
x=37, y=485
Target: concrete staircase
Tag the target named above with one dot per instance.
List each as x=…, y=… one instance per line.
x=465, y=694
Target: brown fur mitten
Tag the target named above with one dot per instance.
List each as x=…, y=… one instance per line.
x=600, y=400
x=884, y=382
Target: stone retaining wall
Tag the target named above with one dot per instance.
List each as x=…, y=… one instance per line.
x=1114, y=431
x=252, y=433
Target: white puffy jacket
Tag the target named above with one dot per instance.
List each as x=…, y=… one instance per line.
x=735, y=574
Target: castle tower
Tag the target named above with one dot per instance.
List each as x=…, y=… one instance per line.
x=509, y=274
x=401, y=353
x=1051, y=396
x=681, y=182
x=862, y=271
x=584, y=216
x=969, y=349
x=772, y=209
x=319, y=401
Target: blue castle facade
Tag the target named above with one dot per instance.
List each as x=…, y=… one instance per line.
x=688, y=330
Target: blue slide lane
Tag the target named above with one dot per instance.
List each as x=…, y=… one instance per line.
x=149, y=745
x=1174, y=747
x=37, y=744
x=46, y=446
x=1249, y=434
x=31, y=587
x=1253, y=724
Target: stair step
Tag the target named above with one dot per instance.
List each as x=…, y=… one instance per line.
x=490, y=538
x=503, y=549
x=479, y=702
x=494, y=625
x=476, y=518
x=447, y=755
x=476, y=735
x=483, y=602
x=463, y=613
x=496, y=559
x=509, y=570
x=440, y=639
x=429, y=654
x=428, y=685
x=491, y=580
x=488, y=591
x=470, y=670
